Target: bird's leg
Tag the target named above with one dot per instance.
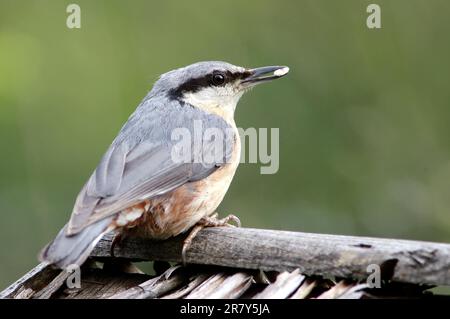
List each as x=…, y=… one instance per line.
x=207, y=221
x=116, y=240
x=188, y=240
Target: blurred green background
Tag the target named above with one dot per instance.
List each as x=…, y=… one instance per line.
x=363, y=115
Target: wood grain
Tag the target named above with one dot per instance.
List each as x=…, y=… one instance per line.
x=313, y=254
x=35, y=280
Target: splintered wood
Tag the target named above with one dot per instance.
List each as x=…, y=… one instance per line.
x=232, y=263
x=192, y=282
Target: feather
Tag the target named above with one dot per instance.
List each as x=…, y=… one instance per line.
x=139, y=164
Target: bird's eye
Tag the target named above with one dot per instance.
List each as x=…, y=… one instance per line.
x=218, y=79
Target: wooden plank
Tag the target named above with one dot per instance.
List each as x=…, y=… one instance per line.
x=233, y=286
x=337, y=290
x=101, y=284
x=283, y=287
x=356, y=292
x=305, y=289
x=53, y=286
x=207, y=287
x=193, y=283
x=314, y=254
x=33, y=281
x=155, y=287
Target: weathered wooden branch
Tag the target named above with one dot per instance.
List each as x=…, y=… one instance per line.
x=294, y=257
x=313, y=254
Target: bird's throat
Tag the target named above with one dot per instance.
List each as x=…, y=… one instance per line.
x=224, y=108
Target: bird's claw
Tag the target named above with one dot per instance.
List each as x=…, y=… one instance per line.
x=207, y=221
x=212, y=221
x=231, y=218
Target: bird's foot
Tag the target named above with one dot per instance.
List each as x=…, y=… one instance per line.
x=207, y=221
x=214, y=221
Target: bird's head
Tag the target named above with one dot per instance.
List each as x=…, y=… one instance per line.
x=213, y=86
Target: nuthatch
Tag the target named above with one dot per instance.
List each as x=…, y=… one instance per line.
x=139, y=188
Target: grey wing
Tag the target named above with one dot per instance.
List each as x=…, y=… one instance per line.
x=128, y=174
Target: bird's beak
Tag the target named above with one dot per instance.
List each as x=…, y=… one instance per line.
x=266, y=73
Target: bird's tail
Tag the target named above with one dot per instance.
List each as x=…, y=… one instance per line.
x=66, y=250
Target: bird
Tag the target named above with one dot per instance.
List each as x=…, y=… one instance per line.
x=151, y=184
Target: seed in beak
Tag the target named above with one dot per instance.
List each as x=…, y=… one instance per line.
x=281, y=72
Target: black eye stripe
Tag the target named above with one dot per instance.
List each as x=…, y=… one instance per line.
x=196, y=84
x=233, y=76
